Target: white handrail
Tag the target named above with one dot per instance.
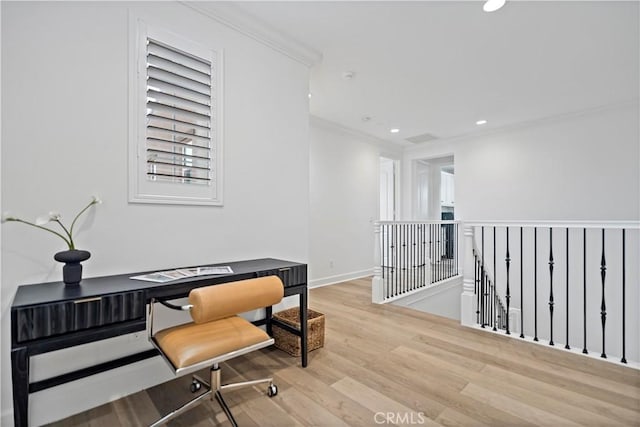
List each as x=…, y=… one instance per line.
x=420, y=222
x=560, y=224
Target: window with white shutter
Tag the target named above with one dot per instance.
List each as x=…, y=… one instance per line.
x=177, y=148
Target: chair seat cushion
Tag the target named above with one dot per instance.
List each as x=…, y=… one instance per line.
x=191, y=343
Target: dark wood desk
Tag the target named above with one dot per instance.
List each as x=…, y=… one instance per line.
x=51, y=316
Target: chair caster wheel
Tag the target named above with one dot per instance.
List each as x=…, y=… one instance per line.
x=272, y=390
x=195, y=386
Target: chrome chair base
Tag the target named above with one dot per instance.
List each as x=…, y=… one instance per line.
x=214, y=388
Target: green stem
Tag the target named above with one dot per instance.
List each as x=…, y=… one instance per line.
x=70, y=232
x=71, y=244
x=68, y=242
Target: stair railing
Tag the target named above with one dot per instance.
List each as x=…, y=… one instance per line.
x=573, y=285
x=413, y=255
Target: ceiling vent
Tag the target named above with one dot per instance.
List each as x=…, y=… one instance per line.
x=425, y=137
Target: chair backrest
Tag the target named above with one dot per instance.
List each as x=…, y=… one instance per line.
x=219, y=301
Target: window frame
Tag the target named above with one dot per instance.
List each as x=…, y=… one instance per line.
x=141, y=189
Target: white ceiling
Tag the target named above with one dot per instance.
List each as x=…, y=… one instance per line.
x=438, y=67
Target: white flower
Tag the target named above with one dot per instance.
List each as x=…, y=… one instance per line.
x=44, y=219
x=41, y=221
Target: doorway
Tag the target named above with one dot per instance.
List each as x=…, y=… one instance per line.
x=388, y=190
x=434, y=189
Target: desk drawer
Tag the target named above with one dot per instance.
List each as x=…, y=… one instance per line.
x=291, y=276
x=43, y=321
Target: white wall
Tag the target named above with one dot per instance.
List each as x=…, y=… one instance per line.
x=441, y=299
x=64, y=137
x=344, y=193
x=579, y=167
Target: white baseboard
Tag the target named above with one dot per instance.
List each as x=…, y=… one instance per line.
x=332, y=280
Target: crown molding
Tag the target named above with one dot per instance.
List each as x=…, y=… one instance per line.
x=389, y=147
x=232, y=16
x=630, y=103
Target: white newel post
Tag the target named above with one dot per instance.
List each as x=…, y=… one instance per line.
x=467, y=302
x=377, y=292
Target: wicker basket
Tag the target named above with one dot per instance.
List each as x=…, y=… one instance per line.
x=290, y=343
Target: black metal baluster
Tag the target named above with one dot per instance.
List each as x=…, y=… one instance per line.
x=395, y=257
x=584, y=289
x=439, y=232
x=495, y=279
x=508, y=296
x=551, y=286
x=567, y=293
x=603, y=306
x=431, y=272
x=492, y=289
x=387, y=259
x=400, y=264
x=535, y=283
x=449, y=249
x=420, y=283
x=482, y=308
x=408, y=261
x=439, y=250
x=624, y=274
x=392, y=257
x=483, y=280
x=423, y=280
x=382, y=249
x=521, y=289
x=417, y=258
x=425, y=250
x=477, y=286
x=413, y=256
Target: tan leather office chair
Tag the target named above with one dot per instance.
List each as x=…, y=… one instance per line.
x=216, y=334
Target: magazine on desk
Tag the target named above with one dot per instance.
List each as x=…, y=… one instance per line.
x=183, y=273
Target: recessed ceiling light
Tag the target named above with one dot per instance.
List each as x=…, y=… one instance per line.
x=493, y=5
x=309, y=95
x=394, y=130
x=481, y=122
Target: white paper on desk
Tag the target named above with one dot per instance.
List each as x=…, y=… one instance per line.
x=222, y=269
x=169, y=275
x=153, y=277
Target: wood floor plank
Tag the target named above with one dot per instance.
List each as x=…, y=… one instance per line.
x=401, y=388
x=386, y=358
x=514, y=407
x=452, y=418
x=614, y=413
x=591, y=384
x=340, y=405
x=378, y=403
x=308, y=412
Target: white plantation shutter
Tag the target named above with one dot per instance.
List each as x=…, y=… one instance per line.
x=178, y=115
x=178, y=153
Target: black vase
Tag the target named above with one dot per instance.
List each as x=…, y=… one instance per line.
x=72, y=270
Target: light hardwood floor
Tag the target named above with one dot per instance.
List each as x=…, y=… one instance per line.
x=388, y=365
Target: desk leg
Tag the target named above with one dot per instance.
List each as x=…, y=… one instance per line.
x=303, y=327
x=20, y=379
x=268, y=313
